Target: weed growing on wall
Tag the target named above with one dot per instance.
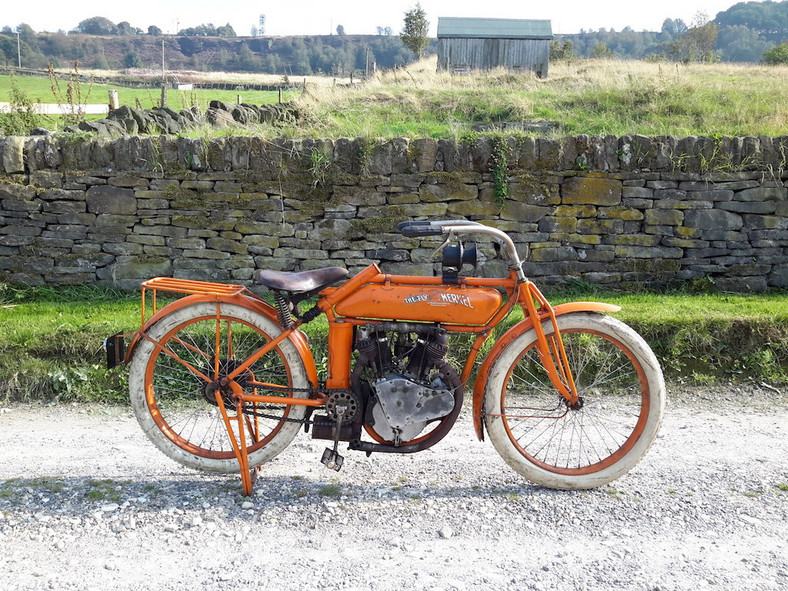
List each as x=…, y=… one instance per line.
x=21, y=116
x=498, y=167
x=73, y=101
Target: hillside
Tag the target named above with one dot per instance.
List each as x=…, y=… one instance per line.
x=322, y=54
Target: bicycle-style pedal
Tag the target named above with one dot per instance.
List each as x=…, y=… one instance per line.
x=332, y=459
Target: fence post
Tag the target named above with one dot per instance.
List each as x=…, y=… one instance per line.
x=114, y=103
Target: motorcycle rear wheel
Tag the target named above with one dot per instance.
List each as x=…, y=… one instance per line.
x=181, y=416
x=623, y=399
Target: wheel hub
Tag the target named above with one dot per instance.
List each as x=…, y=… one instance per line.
x=226, y=367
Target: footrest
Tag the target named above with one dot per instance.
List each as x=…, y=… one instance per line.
x=332, y=459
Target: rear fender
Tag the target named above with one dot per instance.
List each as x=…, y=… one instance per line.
x=297, y=337
x=507, y=338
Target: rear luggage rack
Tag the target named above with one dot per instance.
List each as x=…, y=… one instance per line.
x=188, y=286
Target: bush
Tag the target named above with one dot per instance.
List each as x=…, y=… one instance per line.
x=776, y=55
x=21, y=117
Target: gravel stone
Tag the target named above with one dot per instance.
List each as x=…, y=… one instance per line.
x=86, y=502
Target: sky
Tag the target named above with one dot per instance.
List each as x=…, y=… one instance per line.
x=358, y=17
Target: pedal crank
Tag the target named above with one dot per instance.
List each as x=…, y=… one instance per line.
x=331, y=458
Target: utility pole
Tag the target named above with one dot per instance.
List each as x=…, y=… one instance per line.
x=18, y=51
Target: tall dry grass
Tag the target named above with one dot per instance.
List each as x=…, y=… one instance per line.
x=584, y=96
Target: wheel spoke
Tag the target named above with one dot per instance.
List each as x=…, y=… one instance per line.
x=582, y=440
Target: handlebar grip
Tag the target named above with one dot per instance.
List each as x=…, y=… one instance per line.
x=412, y=231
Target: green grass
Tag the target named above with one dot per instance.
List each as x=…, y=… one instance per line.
x=50, y=338
x=40, y=90
x=583, y=97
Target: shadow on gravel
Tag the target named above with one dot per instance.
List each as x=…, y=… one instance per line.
x=54, y=496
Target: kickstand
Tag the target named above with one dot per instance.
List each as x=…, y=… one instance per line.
x=248, y=476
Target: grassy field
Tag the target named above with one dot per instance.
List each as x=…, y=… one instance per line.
x=593, y=97
x=50, y=339
x=585, y=96
x=40, y=90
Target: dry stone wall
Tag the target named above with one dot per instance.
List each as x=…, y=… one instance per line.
x=609, y=210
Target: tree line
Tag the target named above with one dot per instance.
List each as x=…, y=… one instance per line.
x=746, y=32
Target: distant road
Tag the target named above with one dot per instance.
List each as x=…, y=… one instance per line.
x=55, y=109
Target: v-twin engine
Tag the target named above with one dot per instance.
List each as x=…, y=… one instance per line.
x=403, y=374
x=404, y=405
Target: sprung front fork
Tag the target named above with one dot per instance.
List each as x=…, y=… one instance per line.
x=551, y=349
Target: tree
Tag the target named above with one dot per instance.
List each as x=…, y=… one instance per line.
x=132, y=60
x=674, y=27
x=770, y=19
x=776, y=55
x=562, y=51
x=225, y=31
x=97, y=25
x=154, y=30
x=414, y=34
x=340, y=30
x=601, y=51
x=701, y=38
x=125, y=28
x=697, y=44
x=738, y=43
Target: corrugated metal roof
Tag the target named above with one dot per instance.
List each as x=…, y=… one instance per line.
x=494, y=28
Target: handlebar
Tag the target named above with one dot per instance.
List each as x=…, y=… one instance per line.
x=413, y=229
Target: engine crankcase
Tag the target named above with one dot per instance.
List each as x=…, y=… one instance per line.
x=405, y=406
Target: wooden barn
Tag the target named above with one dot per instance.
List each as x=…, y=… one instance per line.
x=466, y=44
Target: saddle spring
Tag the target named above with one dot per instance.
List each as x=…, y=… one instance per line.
x=283, y=310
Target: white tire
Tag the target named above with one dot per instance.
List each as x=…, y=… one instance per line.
x=623, y=392
x=172, y=405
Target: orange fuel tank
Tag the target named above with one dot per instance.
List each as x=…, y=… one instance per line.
x=447, y=304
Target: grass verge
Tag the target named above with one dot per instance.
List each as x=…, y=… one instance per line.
x=51, y=338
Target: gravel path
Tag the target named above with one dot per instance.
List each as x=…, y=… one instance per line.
x=86, y=502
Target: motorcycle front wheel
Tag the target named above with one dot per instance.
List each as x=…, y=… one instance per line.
x=179, y=412
x=622, y=395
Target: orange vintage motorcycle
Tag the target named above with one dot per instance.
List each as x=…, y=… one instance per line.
x=222, y=381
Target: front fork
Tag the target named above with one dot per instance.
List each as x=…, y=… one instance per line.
x=551, y=349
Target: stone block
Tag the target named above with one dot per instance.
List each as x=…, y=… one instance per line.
x=596, y=226
x=762, y=207
x=448, y=192
x=112, y=200
x=763, y=194
x=642, y=252
x=13, y=154
x=741, y=284
x=591, y=191
x=664, y=217
x=555, y=224
x=713, y=219
x=474, y=208
x=523, y=212
x=553, y=254
x=424, y=152
x=765, y=222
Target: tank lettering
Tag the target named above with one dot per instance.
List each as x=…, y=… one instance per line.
x=442, y=299
x=415, y=299
x=455, y=298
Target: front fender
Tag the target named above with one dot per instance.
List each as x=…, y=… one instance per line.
x=297, y=337
x=507, y=338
